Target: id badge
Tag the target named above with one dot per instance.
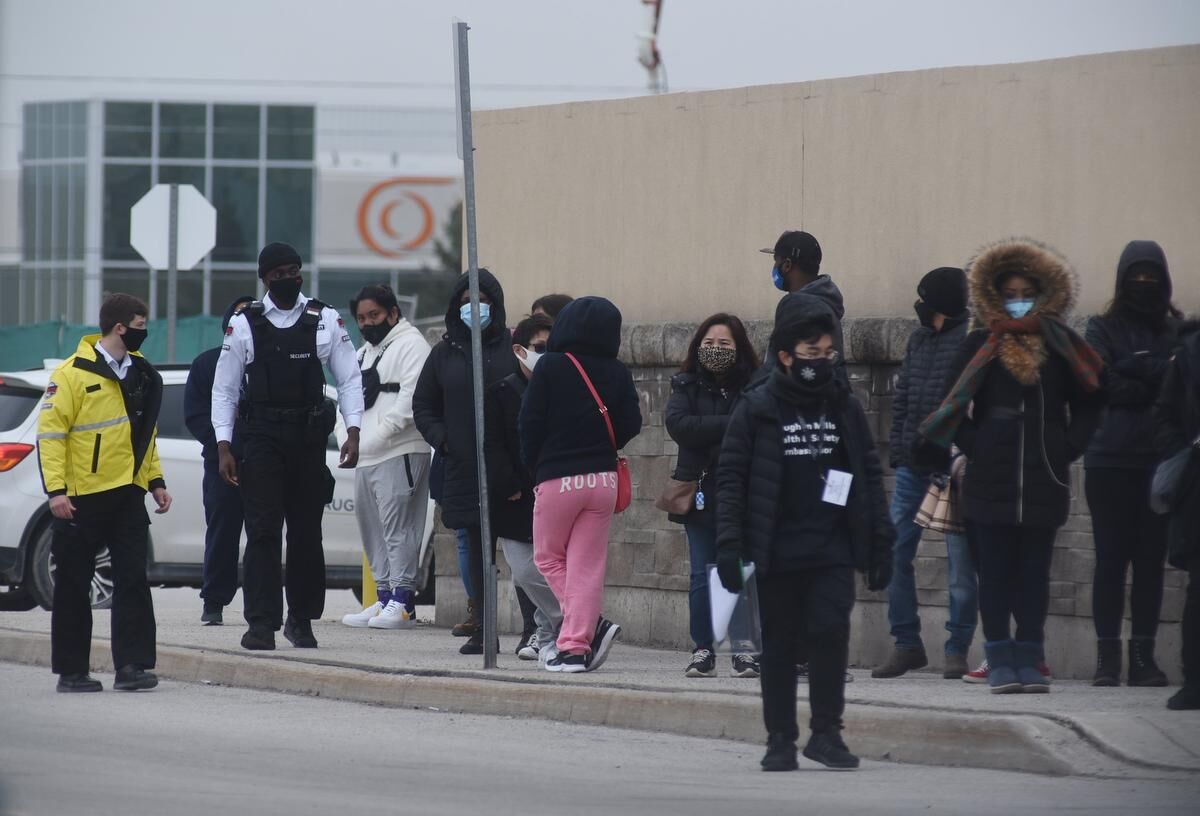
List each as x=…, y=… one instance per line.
x=837, y=487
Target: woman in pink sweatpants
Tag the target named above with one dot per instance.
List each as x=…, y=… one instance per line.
x=565, y=442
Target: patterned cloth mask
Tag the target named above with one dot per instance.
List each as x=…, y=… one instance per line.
x=716, y=359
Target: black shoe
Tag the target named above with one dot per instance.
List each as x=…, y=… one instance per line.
x=602, y=641
x=1186, y=699
x=299, y=633
x=212, y=614
x=703, y=664
x=781, y=754
x=828, y=749
x=1143, y=671
x=1108, y=662
x=134, y=678
x=524, y=641
x=72, y=683
x=746, y=665
x=474, y=645
x=258, y=639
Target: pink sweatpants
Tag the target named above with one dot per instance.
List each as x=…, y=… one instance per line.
x=571, y=518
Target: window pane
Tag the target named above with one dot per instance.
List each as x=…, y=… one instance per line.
x=192, y=174
x=78, y=176
x=10, y=296
x=29, y=147
x=127, y=129
x=60, y=208
x=181, y=131
x=124, y=184
x=44, y=212
x=130, y=281
x=229, y=285
x=290, y=133
x=77, y=121
x=61, y=128
x=190, y=300
x=235, y=195
x=170, y=415
x=289, y=209
x=235, y=131
x=28, y=212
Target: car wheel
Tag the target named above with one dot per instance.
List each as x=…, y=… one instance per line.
x=16, y=599
x=44, y=568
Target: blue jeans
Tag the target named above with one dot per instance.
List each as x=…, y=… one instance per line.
x=702, y=551
x=464, y=560
x=902, y=592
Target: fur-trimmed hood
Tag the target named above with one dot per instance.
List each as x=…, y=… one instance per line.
x=1032, y=259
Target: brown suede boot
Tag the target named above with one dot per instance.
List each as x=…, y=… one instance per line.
x=901, y=661
x=471, y=625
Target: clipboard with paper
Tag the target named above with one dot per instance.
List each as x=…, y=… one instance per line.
x=735, y=623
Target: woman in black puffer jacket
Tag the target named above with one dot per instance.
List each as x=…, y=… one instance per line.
x=720, y=362
x=1135, y=336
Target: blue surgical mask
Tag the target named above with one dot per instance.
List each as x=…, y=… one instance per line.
x=1019, y=308
x=777, y=278
x=485, y=314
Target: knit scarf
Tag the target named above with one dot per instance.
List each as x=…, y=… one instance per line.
x=1086, y=366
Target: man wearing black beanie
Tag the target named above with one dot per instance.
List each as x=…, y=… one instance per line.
x=920, y=388
x=279, y=345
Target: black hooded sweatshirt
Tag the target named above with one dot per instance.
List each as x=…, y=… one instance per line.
x=444, y=400
x=820, y=297
x=1136, y=348
x=197, y=395
x=562, y=430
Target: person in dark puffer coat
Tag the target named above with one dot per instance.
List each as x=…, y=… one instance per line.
x=1135, y=336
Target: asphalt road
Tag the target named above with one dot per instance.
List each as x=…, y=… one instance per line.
x=193, y=749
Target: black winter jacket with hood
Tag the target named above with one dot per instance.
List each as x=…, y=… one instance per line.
x=1136, y=349
x=696, y=415
x=921, y=385
x=751, y=470
x=1177, y=420
x=1019, y=439
x=444, y=400
x=507, y=474
x=562, y=430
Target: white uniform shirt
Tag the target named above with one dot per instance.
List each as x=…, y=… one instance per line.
x=334, y=349
x=120, y=369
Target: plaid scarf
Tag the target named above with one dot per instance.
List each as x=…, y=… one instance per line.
x=1086, y=365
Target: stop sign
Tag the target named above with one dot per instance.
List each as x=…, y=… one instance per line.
x=150, y=227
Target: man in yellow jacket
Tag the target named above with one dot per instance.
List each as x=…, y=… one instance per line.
x=98, y=456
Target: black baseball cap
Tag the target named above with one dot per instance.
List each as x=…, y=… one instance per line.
x=797, y=246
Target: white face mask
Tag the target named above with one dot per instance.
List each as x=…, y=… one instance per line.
x=531, y=358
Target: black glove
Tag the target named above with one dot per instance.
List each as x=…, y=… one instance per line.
x=879, y=574
x=729, y=570
x=940, y=480
x=928, y=457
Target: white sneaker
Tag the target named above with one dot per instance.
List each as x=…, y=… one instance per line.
x=360, y=620
x=393, y=616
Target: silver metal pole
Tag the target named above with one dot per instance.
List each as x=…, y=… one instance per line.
x=172, y=271
x=489, y=568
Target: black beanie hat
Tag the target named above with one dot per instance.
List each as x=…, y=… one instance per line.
x=277, y=254
x=945, y=289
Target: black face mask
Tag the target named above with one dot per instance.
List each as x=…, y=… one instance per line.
x=284, y=291
x=1145, y=296
x=133, y=338
x=812, y=374
x=375, y=334
x=925, y=313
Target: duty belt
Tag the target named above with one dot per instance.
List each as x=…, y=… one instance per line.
x=291, y=416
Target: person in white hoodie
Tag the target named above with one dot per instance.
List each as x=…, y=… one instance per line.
x=391, y=483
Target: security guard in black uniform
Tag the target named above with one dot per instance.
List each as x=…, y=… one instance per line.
x=278, y=345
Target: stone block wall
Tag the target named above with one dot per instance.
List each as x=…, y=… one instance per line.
x=648, y=557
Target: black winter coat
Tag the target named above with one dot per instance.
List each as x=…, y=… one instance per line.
x=507, y=474
x=696, y=416
x=1020, y=441
x=922, y=384
x=1177, y=418
x=444, y=400
x=751, y=472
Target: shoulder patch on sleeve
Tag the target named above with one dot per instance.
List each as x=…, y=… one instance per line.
x=51, y=389
x=228, y=331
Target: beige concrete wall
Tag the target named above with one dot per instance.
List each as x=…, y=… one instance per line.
x=661, y=203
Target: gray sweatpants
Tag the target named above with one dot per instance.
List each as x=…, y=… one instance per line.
x=525, y=574
x=391, y=500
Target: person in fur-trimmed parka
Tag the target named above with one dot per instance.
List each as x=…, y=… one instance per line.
x=1034, y=390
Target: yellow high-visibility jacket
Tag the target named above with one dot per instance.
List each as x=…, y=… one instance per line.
x=85, y=438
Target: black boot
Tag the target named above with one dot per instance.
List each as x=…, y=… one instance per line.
x=1108, y=662
x=781, y=754
x=1143, y=671
x=299, y=632
x=1186, y=699
x=828, y=748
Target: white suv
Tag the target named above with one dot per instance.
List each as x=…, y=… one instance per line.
x=176, y=538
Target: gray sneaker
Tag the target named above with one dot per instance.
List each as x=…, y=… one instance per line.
x=955, y=667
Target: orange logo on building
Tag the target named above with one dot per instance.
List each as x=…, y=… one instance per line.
x=394, y=220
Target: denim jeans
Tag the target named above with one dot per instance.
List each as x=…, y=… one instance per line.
x=902, y=592
x=464, y=560
x=702, y=551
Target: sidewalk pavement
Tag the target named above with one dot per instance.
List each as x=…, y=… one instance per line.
x=919, y=718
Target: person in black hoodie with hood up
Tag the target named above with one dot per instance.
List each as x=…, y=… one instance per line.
x=565, y=441
x=223, y=516
x=1135, y=336
x=800, y=493
x=444, y=412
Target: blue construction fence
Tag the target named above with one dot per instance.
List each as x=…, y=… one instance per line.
x=24, y=347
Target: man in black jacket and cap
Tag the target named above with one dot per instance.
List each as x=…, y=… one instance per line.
x=223, y=516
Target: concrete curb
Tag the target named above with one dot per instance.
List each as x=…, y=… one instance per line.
x=920, y=736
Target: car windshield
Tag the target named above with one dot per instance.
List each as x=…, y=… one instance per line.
x=15, y=405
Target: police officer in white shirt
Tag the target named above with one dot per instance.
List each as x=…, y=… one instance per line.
x=278, y=346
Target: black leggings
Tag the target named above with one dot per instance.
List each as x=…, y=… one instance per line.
x=1127, y=533
x=1014, y=579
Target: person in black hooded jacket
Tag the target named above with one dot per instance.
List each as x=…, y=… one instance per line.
x=1135, y=336
x=444, y=412
x=791, y=441
x=565, y=441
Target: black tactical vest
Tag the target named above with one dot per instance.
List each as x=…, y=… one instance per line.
x=286, y=372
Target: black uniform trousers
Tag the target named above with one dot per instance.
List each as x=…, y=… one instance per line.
x=223, y=533
x=809, y=607
x=283, y=478
x=115, y=519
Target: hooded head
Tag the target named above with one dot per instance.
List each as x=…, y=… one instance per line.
x=233, y=309
x=1051, y=275
x=1143, y=283
x=945, y=291
x=489, y=286
x=795, y=309
x=588, y=325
